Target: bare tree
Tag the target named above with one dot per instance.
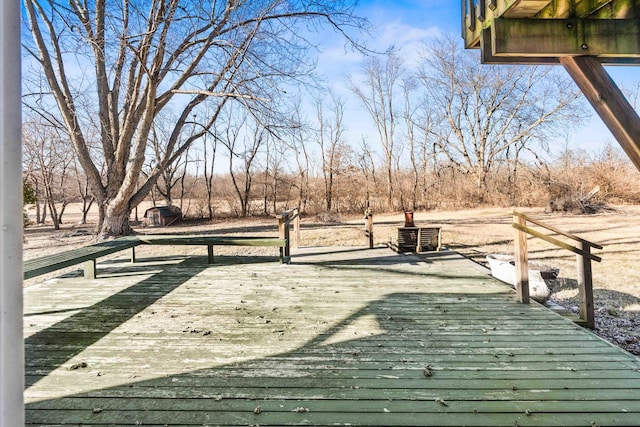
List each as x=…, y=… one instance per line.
x=82, y=185
x=418, y=127
x=330, y=138
x=170, y=175
x=483, y=110
x=187, y=180
x=299, y=134
x=209, y=143
x=49, y=157
x=274, y=177
x=174, y=174
x=148, y=56
x=377, y=94
x=243, y=140
x=367, y=167
x=633, y=94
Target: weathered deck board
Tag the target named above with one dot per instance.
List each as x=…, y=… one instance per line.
x=337, y=338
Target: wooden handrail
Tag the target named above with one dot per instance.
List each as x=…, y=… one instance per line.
x=285, y=214
x=557, y=242
x=583, y=256
x=555, y=230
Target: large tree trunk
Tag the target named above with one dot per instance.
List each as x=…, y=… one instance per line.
x=114, y=220
x=116, y=224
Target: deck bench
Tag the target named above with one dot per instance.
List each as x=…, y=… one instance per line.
x=211, y=241
x=86, y=255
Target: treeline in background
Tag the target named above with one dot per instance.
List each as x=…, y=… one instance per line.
x=575, y=182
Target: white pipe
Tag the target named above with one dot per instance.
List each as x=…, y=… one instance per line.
x=11, y=340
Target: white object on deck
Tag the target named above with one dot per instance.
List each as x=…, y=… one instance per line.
x=503, y=268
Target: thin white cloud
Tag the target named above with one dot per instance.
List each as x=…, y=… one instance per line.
x=407, y=39
x=339, y=53
x=401, y=34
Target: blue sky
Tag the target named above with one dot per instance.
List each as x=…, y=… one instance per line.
x=406, y=24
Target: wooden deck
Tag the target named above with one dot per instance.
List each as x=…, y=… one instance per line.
x=339, y=337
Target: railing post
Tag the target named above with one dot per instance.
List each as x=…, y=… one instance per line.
x=287, y=237
x=296, y=228
x=283, y=232
x=368, y=226
x=522, y=261
x=585, y=286
x=281, y=223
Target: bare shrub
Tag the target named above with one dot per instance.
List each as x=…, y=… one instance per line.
x=579, y=183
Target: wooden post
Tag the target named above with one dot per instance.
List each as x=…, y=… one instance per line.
x=283, y=233
x=281, y=224
x=585, y=286
x=90, y=269
x=368, y=227
x=296, y=229
x=608, y=101
x=11, y=329
x=210, y=254
x=522, y=261
x=287, y=237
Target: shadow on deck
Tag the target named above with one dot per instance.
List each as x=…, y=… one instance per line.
x=340, y=337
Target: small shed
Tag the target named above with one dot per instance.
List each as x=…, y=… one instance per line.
x=162, y=216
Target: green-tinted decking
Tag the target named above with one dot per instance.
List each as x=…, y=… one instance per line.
x=340, y=337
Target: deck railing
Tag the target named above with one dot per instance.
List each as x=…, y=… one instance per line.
x=284, y=226
x=583, y=256
x=368, y=227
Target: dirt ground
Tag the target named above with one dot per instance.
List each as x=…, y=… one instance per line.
x=474, y=233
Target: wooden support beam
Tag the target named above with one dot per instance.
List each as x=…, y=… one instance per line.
x=599, y=9
x=560, y=37
x=609, y=102
x=586, y=8
x=523, y=8
x=489, y=58
x=479, y=15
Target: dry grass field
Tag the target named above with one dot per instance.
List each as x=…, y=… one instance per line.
x=474, y=233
